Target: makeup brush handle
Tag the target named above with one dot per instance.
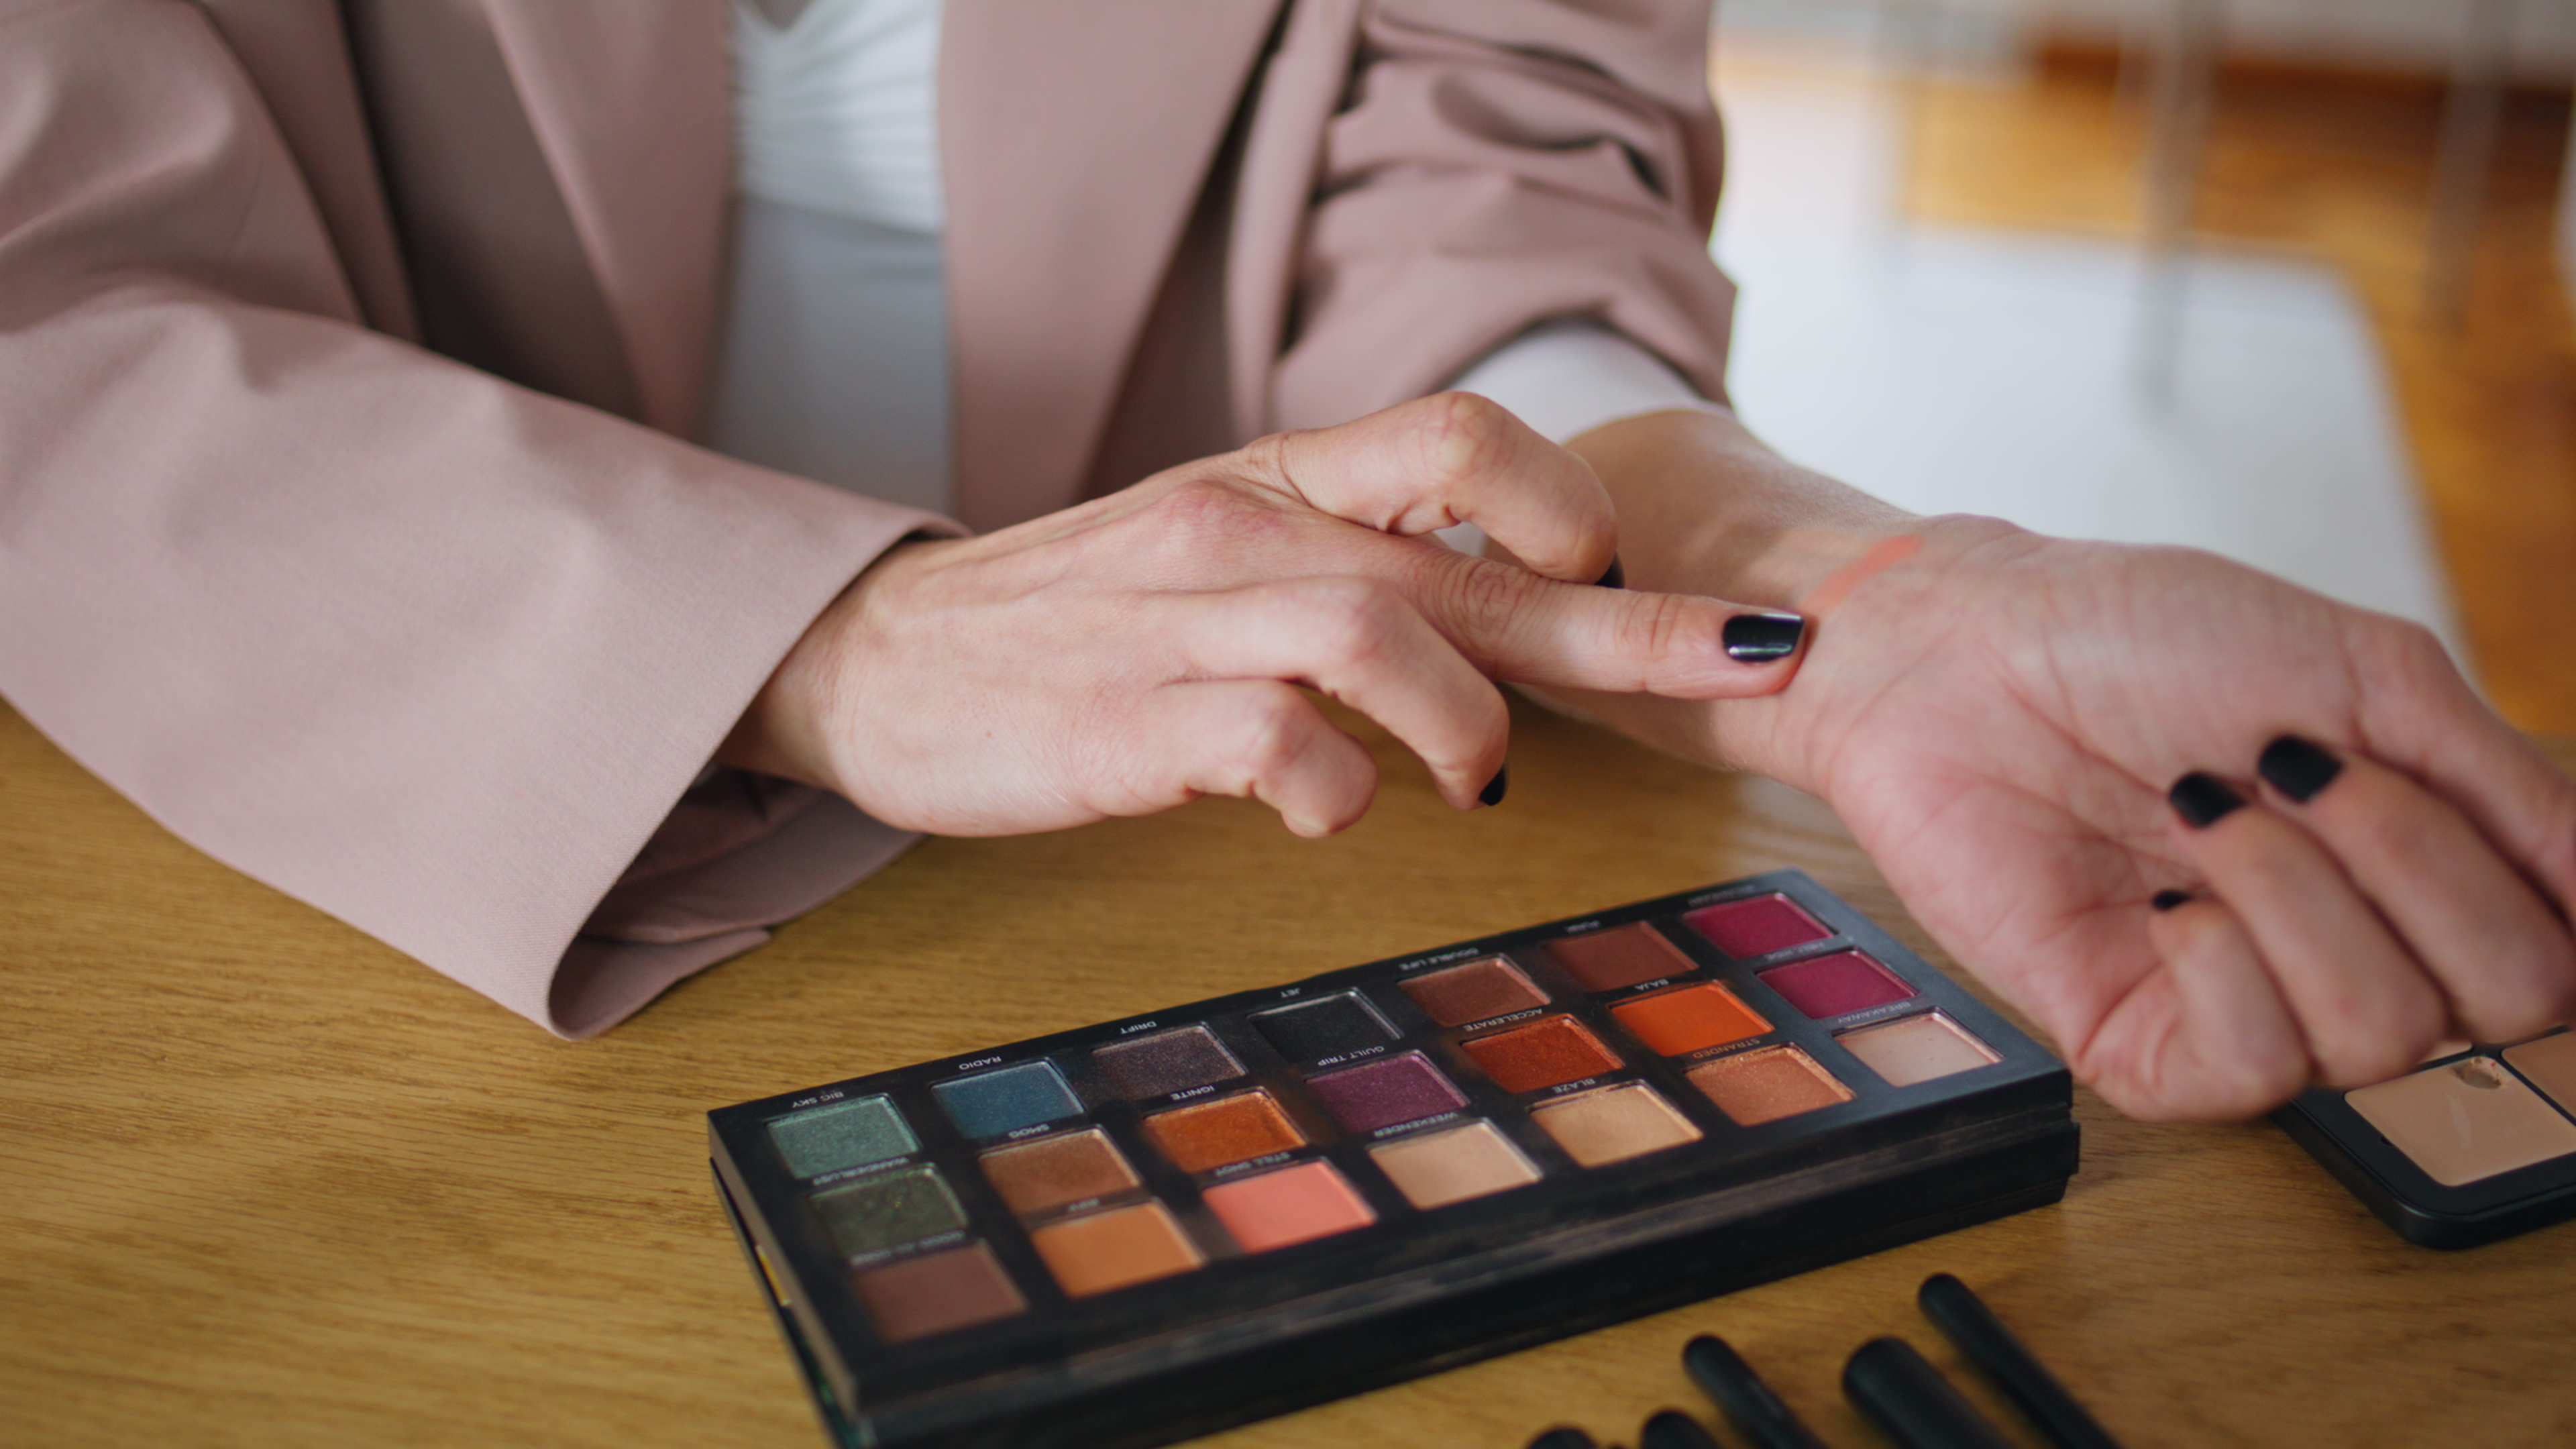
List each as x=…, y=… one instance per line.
x=1903, y=1394
x=1724, y=1376
x=1562, y=1438
x=1673, y=1429
x=1959, y=1313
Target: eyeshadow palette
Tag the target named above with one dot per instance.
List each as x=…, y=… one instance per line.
x=2471, y=1146
x=1156, y=1227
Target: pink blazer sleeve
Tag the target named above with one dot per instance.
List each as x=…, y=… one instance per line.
x=1500, y=163
x=438, y=654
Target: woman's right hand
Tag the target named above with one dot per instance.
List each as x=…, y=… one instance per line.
x=1133, y=653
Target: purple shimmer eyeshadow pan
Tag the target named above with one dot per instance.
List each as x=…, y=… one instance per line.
x=1381, y=1094
x=1834, y=985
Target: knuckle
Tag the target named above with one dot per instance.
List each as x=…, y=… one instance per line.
x=1488, y=600
x=1270, y=732
x=1348, y=621
x=1460, y=435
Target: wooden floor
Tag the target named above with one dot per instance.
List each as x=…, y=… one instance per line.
x=2340, y=168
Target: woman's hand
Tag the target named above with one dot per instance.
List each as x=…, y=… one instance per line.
x=2035, y=739
x=1133, y=653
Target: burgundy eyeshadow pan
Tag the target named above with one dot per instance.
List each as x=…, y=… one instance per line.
x=1756, y=927
x=1382, y=1094
x=1837, y=985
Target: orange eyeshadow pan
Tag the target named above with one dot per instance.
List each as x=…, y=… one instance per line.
x=1209, y=1135
x=1546, y=1053
x=1693, y=1018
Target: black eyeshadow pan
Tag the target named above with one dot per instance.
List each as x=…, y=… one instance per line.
x=1325, y=1029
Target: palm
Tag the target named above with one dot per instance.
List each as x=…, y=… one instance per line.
x=1999, y=735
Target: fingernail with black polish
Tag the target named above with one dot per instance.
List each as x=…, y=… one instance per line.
x=2297, y=768
x=1616, y=578
x=2203, y=800
x=1761, y=638
x=2170, y=900
x=1497, y=787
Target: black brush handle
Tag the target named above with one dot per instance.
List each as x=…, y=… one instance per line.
x=1724, y=1376
x=1903, y=1394
x=1959, y=1313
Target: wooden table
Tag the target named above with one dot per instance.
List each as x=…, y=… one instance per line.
x=265, y=1182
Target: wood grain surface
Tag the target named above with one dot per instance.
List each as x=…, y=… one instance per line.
x=265, y=1182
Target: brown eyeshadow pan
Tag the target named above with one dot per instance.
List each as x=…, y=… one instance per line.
x=1053, y=1172
x=938, y=1292
x=1548, y=1052
x=1620, y=956
x=1477, y=991
x=1764, y=1086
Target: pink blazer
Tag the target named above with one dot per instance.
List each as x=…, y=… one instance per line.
x=444, y=649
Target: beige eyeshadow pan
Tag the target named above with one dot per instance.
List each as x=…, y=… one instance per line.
x=2465, y=1121
x=1435, y=1169
x=1920, y=1048
x=1614, y=1124
x=2550, y=1065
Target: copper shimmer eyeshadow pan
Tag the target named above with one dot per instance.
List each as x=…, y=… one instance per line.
x=1381, y=1094
x=1756, y=927
x=937, y=1292
x=1614, y=1124
x=1477, y=991
x=1158, y=1226
x=1548, y=1052
x=1434, y=1169
x=1291, y=1205
x=1836, y=985
x=1764, y=1086
x=1689, y=1019
x=1205, y=1136
x=1115, y=1249
x=1620, y=956
x=1054, y=1172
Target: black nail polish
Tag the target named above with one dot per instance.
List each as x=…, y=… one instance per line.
x=1760, y=638
x=1497, y=787
x=2170, y=900
x=2203, y=800
x=2297, y=768
x=1615, y=578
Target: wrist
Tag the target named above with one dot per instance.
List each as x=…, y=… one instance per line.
x=788, y=729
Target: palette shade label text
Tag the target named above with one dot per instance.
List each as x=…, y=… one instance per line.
x=1505, y=1019
x=1267, y=1159
x=1445, y=956
x=978, y=1062
x=1140, y=1026
x=1561, y=1088
x=1039, y=1130
x=871, y=1170
x=1350, y=1056
x=1579, y=927
x=816, y=1100
x=946, y=1239
x=1403, y=1127
x=1184, y=1096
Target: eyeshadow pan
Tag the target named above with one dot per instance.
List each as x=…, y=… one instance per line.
x=1382, y=1094
x=1767, y=1085
x=1835, y=985
x=1689, y=1019
x=2466, y=1121
x=2550, y=1065
x=1329, y=1026
x=992, y=1103
x=877, y=1213
x=1166, y=1062
x=936, y=1292
x=1756, y=927
x=1620, y=956
x=1454, y=1164
x=1546, y=1053
x=1041, y=1176
x=1477, y=991
x=1123, y=1246
x=841, y=1136
x=1205, y=1136
x=1915, y=1049
x=1614, y=1125
x=1293, y=1205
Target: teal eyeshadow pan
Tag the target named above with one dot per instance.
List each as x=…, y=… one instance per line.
x=990, y=1104
x=841, y=1136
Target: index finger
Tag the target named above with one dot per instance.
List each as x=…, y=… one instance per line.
x=1448, y=459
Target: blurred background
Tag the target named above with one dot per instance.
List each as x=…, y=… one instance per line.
x=2284, y=279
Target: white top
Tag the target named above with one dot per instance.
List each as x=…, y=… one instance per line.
x=835, y=360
